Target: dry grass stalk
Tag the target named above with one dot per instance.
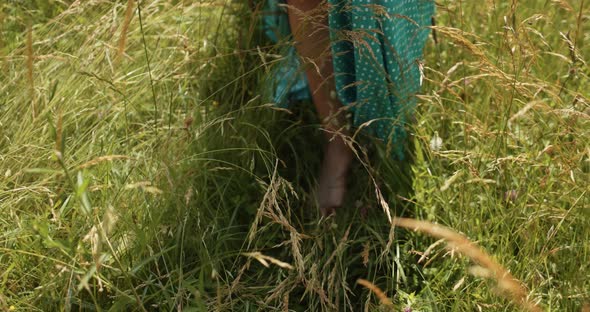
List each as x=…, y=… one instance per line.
x=30, y=57
x=1, y=30
x=457, y=36
x=366, y=253
x=579, y=23
x=517, y=293
x=282, y=290
x=286, y=302
x=269, y=196
x=123, y=36
x=383, y=203
x=564, y=5
x=264, y=260
x=383, y=299
x=59, y=132
x=98, y=160
x=341, y=246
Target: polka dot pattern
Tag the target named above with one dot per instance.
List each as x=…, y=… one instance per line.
x=377, y=46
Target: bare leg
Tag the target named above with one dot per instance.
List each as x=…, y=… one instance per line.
x=310, y=30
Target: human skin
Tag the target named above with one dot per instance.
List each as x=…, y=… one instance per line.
x=309, y=24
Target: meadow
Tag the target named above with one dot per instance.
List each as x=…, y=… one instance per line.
x=143, y=167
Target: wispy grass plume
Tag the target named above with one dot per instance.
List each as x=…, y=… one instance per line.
x=510, y=285
x=125, y=29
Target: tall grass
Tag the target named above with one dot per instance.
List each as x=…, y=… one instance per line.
x=154, y=174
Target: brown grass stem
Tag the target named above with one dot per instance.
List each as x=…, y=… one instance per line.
x=125, y=29
x=377, y=291
x=511, y=286
x=30, y=56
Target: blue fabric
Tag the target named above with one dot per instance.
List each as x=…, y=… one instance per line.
x=377, y=46
x=289, y=80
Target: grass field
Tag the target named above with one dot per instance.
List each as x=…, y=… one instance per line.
x=143, y=168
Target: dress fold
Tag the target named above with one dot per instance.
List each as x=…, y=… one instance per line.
x=377, y=48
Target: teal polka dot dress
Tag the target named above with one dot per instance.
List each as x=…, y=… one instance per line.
x=377, y=46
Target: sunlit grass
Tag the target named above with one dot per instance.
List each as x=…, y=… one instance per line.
x=143, y=167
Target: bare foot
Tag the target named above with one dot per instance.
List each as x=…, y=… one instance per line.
x=311, y=32
x=333, y=176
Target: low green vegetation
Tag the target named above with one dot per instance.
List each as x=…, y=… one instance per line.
x=154, y=174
